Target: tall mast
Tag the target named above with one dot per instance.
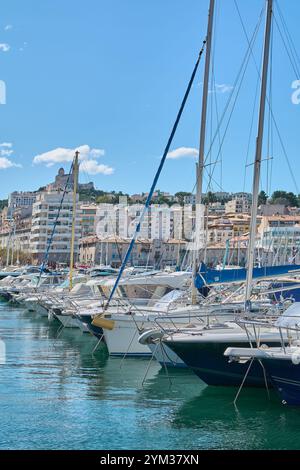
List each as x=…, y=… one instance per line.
x=200, y=164
x=259, y=143
x=75, y=184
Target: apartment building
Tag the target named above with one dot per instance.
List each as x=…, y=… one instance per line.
x=220, y=231
x=23, y=201
x=280, y=235
x=160, y=222
x=88, y=219
x=240, y=204
x=46, y=210
x=111, y=251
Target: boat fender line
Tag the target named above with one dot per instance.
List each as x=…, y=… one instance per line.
x=150, y=335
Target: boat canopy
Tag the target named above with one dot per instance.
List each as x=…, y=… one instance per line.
x=164, y=303
x=290, y=318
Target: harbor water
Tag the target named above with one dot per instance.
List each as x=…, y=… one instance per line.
x=56, y=394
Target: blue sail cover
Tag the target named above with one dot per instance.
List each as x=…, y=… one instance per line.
x=208, y=276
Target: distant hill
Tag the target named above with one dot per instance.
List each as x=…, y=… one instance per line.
x=99, y=196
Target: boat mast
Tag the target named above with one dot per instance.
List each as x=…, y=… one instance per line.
x=258, y=155
x=200, y=164
x=75, y=184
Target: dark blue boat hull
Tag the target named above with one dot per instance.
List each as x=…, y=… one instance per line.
x=208, y=362
x=285, y=378
x=94, y=330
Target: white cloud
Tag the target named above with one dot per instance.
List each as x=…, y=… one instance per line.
x=92, y=167
x=4, y=47
x=8, y=27
x=221, y=88
x=61, y=155
x=6, y=144
x=6, y=150
x=182, y=152
x=6, y=163
x=87, y=157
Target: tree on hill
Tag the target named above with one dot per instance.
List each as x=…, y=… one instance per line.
x=209, y=198
x=262, y=198
x=181, y=195
x=283, y=197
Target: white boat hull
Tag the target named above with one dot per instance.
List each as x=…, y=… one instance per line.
x=68, y=321
x=41, y=310
x=124, y=340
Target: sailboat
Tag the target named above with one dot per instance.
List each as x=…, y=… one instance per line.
x=122, y=329
x=202, y=350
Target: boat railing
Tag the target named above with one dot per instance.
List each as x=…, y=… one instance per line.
x=215, y=318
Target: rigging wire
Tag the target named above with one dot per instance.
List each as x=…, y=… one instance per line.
x=236, y=89
x=157, y=175
x=275, y=122
x=293, y=50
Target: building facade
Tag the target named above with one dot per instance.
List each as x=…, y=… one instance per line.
x=46, y=211
x=146, y=253
x=88, y=219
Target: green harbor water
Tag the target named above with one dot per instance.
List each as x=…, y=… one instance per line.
x=56, y=394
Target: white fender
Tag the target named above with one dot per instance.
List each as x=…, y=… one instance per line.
x=150, y=335
x=296, y=357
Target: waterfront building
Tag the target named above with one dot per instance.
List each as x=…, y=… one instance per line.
x=21, y=200
x=44, y=215
x=161, y=222
x=217, y=208
x=220, y=231
x=279, y=221
x=280, y=235
x=88, y=219
x=240, y=204
x=146, y=253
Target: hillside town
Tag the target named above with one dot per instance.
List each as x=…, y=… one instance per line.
x=105, y=224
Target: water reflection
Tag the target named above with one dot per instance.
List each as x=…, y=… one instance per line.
x=56, y=393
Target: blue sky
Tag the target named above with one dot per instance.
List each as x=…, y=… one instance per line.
x=108, y=76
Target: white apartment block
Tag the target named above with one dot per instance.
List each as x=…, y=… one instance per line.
x=190, y=199
x=188, y=221
x=176, y=222
x=105, y=221
x=239, y=205
x=21, y=199
x=160, y=222
x=129, y=219
x=44, y=214
x=88, y=216
x=282, y=242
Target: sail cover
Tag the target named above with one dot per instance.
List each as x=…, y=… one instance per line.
x=208, y=276
x=290, y=318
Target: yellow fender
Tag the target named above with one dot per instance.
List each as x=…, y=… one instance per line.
x=102, y=322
